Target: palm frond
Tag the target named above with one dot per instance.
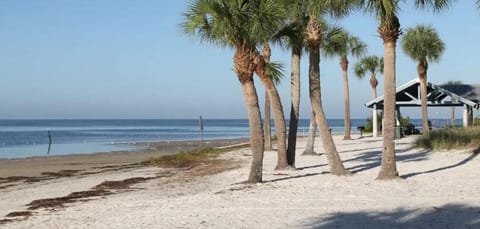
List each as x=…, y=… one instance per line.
x=276, y=71
x=435, y=5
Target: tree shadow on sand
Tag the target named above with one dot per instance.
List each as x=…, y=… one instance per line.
x=462, y=162
x=373, y=159
x=447, y=216
x=293, y=177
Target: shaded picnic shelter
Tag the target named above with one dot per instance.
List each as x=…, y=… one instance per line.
x=408, y=95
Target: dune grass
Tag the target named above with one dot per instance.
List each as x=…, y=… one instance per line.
x=189, y=159
x=451, y=138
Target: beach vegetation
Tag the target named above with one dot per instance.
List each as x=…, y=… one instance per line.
x=291, y=37
x=317, y=13
x=205, y=161
x=451, y=138
x=338, y=42
x=386, y=13
x=185, y=159
x=369, y=124
x=241, y=25
x=476, y=121
x=270, y=73
x=423, y=45
x=372, y=65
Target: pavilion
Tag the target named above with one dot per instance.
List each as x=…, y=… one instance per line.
x=408, y=95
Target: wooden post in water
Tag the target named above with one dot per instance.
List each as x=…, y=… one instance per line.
x=201, y=129
x=49, y=142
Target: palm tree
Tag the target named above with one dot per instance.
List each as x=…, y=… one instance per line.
x=315, y=11
x=309, y=148
x=291, y=37
x=339, y=42
x=240, y=25
x=389, y=30
x=423, y=45
x=372, y=65
x=452, y=111
x=270, y=77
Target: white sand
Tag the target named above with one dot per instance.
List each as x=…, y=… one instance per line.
x=441, y=190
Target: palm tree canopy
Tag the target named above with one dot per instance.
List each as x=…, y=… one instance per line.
x=290, y=36
x=423, y=44
x=338, y=42
x=233, y=22
x=335, y=8
x=386, y=11
x=369, y=64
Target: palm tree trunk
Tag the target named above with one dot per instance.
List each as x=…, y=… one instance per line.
x=311, y=137
x=278, y=116
x=267, y=129
x=336, y=165
x=256, y=130
x=346, y=93
x=295, y=108
x=388, y=168
x=244, y=68
x=422, y=75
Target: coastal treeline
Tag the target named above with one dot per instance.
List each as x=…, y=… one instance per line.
x=249, y=27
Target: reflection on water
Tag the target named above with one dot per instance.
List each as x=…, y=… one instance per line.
x=62, y=149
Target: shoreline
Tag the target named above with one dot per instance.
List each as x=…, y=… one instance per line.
x=35, y=166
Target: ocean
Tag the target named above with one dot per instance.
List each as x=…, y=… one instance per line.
x=27, y=138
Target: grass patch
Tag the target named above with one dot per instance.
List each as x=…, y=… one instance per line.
x=189, y=159
x=451, y=138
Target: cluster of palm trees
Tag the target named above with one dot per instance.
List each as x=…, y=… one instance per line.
x=301, y=26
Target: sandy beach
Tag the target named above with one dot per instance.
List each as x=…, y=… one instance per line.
x=437, y=190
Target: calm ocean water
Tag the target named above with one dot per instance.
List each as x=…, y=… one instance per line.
x=25, y=138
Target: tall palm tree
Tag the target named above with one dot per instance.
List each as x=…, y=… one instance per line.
x=240, y=25
x=386, y=12
x=372, y=65
x=270, y=75
x=291, y=37
x=339, y=42
x=423, y=45
x=316, y=11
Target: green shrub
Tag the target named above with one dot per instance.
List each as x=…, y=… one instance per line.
x=451, y=138
x=369, y=124
x=476, y=121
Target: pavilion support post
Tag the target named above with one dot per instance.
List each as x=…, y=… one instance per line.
x=465, y=115
x=397, y=115
x=375, y=121
x=470, y=116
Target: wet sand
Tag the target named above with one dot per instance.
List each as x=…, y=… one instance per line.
x=36, y=166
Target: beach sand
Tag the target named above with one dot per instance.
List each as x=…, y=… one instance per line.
x=437, y=190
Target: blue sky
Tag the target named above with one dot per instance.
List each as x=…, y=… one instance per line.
x=129, y=59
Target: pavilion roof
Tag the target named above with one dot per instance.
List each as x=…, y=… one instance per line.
x=408, y=95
